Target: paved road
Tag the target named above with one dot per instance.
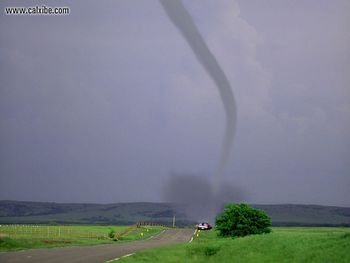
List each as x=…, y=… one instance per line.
x=95, y=254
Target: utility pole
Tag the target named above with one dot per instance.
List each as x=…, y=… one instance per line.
x=173, y=221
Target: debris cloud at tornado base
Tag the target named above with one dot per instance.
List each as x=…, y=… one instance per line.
x=197, y=198
x=184, y=23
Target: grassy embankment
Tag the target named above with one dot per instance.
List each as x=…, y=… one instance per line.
x=19, y=237
x=282, y=245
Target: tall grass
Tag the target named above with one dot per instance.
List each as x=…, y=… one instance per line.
x=282, y=245
x=19, y=237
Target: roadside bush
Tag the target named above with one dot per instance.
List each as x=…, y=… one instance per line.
x=239, y=220
x=111, y=234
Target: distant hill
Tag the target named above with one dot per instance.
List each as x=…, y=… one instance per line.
x=307, y=215
x=19, y=212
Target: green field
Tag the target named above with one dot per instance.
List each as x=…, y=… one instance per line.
x=282, y=245
x=19, y=237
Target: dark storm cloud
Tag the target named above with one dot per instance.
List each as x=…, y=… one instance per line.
x=95, y=108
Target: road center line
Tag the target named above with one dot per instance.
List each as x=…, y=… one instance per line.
x=194, y=233
x=115, y=259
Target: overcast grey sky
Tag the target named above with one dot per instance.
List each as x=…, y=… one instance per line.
x=107, y=103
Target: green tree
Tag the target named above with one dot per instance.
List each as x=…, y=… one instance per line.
x=239, y=220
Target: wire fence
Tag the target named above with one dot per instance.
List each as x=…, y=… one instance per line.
x=62, y=232
x=50, y=232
